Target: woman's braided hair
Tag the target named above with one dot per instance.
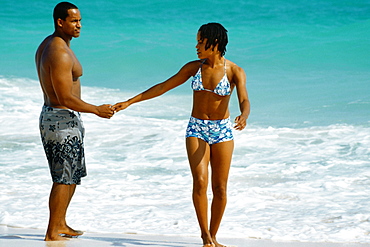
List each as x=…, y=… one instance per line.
x=215, y=34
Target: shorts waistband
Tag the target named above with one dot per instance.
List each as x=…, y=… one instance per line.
x=46, y=108
x=221, y=121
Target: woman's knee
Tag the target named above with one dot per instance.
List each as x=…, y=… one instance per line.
x=219, y=191
x=200, y=185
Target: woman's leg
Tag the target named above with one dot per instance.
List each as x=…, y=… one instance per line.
x=221, y=155
x=199, y=157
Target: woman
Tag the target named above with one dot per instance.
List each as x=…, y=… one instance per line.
x=209, y=138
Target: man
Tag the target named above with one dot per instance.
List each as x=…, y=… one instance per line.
x=61, y=128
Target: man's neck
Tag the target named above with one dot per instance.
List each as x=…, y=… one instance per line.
x=63, y=36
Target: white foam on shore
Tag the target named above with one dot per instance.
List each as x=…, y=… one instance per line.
x=18, y=237
x=304, y=184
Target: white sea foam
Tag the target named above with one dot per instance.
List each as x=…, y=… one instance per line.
x=307, y=184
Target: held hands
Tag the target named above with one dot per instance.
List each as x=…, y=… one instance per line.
x=240, y=122
x=105, y=111
x=121, y=106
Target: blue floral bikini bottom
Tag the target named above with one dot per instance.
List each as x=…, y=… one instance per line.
x=210, y=131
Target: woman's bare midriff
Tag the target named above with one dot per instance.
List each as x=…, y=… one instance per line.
x=209, y=106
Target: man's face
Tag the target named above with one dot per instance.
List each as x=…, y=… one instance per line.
x=72, y=25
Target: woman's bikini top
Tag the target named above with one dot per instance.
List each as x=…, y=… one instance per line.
x=222, y=88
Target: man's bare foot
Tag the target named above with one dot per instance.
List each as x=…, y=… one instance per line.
x=209, y=245
x=70, y=232
x=55, y=238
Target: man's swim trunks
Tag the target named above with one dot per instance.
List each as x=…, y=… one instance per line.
x=62, y=134
x=210, y=131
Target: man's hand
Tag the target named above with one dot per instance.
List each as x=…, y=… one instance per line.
x=105, y=111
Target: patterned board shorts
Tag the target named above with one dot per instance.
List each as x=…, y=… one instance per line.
x=62, y=134
x=210, y=131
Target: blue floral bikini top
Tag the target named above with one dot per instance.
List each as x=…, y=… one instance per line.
x=222, y=88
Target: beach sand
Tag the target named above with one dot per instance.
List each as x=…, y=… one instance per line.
x=21, y=237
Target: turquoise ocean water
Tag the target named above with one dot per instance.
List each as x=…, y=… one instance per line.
x=301, y=168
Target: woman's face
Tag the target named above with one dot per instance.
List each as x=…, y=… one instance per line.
x=202, y=52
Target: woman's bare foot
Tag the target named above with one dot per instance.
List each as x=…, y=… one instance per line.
x=216, y=244
x=207, y=240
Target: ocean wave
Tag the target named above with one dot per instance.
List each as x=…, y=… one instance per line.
x=305, y=184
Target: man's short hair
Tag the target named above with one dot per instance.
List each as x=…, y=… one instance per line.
x=215, y=34
x=61, y=11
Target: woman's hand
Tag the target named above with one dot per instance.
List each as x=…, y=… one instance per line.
x=121, y=106
x=240, y=122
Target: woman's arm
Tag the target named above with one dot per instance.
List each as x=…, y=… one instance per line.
x=179, y=78
x=240, y=80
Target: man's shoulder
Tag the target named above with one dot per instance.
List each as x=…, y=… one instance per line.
x=59, y=45
x=55, y=48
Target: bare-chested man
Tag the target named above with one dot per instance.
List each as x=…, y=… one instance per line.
x=61, y=128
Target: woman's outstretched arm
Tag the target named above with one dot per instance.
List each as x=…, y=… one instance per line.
x=179, y=78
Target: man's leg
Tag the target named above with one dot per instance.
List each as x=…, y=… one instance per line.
x=66, y=229
x=60, y=197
